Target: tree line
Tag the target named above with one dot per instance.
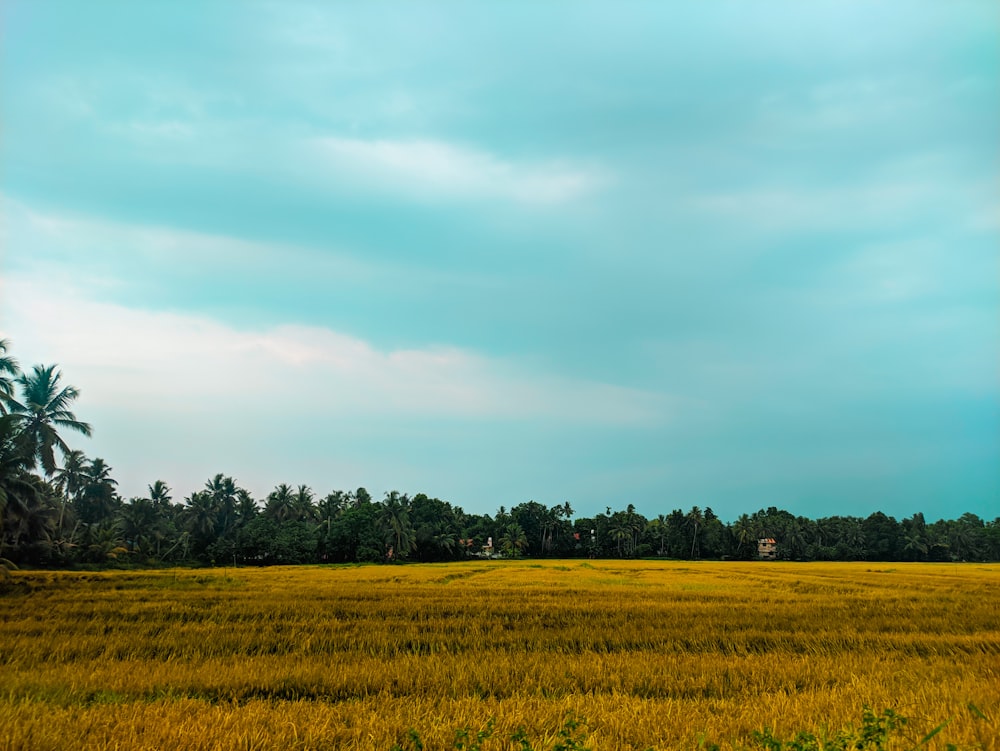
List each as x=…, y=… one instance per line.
x=69, y=512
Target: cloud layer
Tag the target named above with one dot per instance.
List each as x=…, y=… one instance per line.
x=671, y=256
x=429, y=169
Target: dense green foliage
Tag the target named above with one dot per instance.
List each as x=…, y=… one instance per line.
x=71, y=513
x=877, y=732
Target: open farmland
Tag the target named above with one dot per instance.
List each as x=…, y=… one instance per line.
x=651, y=654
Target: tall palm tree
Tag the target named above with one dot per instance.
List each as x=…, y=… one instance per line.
x=162, y=525
x=99, y=498
x=658, y=527
x=621, y=533
x=32, y=522
x=18, y=489
x=513, y=540
x=223, y=490
x=281, y=503
x=246, y=506
x=71, y=480
x=694, y=519
x=74, y=474
x=304, y=508
x=42, y=408
x=396, y=526
x=9, y=371
x=137, y=521
x=201, y=517
x=159, y=494
x=744, y=534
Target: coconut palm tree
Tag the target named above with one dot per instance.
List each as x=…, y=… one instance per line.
x=71, y=479
x=223, y=490
x=304, y=508
x=159, y=494
x=14, y=458
x=201, y=519
x=42, y=408
x=137, y=521
x=513, y=540
x=18, y=487
x=744, y=535
x=74, y=474
x=396, y=526
x=9, y=371
x=99, y=498
x=281, y=503
x=694, y=519
x=31, y=523
x=621, y=533
x=246, y=506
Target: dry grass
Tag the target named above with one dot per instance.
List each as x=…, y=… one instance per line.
x=651, y=654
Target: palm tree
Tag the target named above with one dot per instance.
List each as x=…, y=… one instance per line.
x=223, y=492
x=304, y=509
x=8, y=367
x=71, y=480
x=43, y=407
x=32, y=523
x=658, y=527
x=19, y=488
x=99, y=497
x=396, y=526
x=74, y=475
x=162, y=524
x=914, y=535
x=138, y=525
x=513, y=540
x=281, y=503
x=694, y=518
x=854, y=541
x=794, y=541
x=104, y=541
x=201, y=519
x=246, y=506
x=744, y=534
x=549, y=524
x=915, y=545
x=332, y=507
x=159, y=494
x=621, y=533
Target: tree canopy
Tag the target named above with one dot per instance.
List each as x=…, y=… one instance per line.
x=70, y=513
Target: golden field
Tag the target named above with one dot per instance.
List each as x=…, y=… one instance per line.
x=652, y=654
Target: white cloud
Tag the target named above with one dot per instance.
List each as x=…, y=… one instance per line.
x=182, y=364
x=833, y=107
x=85, y=251
x=436, y=168
x=877, y=203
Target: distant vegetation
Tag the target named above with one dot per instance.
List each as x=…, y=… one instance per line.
x=60, y=508
x=601, y=655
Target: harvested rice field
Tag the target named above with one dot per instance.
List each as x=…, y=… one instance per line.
x=642, y=654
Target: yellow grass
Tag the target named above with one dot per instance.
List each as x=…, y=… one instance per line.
x=651, y=654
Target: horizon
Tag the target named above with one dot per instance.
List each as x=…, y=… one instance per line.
x=672, y=256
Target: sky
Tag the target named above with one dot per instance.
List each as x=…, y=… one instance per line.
x=725, y=254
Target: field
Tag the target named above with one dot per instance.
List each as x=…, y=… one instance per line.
x=650, y=654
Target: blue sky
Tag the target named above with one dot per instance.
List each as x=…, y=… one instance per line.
x=727, y=254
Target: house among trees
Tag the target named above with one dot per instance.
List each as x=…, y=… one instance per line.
x=767, y=548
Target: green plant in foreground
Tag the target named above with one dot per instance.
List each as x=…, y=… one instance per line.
x=878, y=732
x=875, y=734
x=571, y=737
x=462, y=738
